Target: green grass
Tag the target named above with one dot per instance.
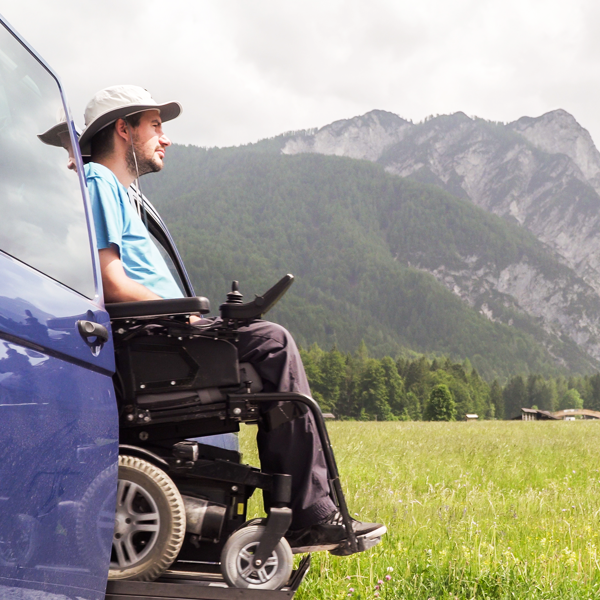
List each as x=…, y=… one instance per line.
x=474, y=510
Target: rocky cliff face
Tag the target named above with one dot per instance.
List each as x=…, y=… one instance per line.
x=542, y=173
x=558, y=132
x=363, y=137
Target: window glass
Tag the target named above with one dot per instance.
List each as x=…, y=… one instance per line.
x=42, y=219
x=170, y=263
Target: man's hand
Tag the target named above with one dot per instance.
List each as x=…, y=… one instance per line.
x=118, y=286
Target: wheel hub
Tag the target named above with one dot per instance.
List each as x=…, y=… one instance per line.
x=137, y=523
x=255, y=574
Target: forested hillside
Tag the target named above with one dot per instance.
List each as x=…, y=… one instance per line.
x=349, y=232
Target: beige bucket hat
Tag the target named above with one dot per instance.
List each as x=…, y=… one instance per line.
x=52, y=135
x=118, y=102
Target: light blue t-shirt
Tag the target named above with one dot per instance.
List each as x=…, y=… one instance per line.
x=117, y=222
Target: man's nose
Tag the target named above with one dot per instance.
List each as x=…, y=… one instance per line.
x=72, y=165
x=163, y=140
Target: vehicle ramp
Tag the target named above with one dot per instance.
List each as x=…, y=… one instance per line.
x=194, y=581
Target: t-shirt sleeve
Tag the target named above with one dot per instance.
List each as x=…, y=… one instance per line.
x=106, y=208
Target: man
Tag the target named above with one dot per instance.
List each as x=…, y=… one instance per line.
x=125, y=139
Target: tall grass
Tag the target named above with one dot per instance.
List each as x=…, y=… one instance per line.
x=474, y=510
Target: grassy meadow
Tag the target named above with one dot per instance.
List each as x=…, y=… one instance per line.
x=496, y=509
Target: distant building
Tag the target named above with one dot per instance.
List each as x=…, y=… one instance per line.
x=534, y=414
x=328, y=416
x=471, y=417
x=568, y=414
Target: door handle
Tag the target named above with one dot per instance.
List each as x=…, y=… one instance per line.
x=89, y=329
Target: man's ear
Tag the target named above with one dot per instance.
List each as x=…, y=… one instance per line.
x=122, y=129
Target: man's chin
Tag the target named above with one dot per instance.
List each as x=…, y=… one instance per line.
x=152, y=166
x=157, y=164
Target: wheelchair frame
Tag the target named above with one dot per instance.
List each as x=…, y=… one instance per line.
x=146, y=426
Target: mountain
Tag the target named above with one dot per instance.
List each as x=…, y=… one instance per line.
x=401, y=264
x=541, y=173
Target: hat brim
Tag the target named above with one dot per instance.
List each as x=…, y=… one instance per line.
x=52, y=136
x=168, y=112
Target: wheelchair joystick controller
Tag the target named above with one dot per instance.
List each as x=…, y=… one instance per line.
x=234, y=309
x=235, y=296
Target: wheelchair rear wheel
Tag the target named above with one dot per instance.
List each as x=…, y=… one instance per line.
x=236, y=561
x=149, y=522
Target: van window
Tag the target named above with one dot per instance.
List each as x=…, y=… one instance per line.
x=169, y=262
x=42, y=218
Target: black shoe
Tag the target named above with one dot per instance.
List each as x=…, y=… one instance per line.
x=330, y=534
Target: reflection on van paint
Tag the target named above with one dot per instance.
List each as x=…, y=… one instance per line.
x=52, y=508
x=55, y=327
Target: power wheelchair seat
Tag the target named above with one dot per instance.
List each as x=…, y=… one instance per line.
x=181, y=502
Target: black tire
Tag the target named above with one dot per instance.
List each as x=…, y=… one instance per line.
x=19, y=540
x=149, y=522
x=96, y=517
x=237, y=568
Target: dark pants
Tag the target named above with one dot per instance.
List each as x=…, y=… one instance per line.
x=294, y=447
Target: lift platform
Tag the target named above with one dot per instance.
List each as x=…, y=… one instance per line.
x=200, y=581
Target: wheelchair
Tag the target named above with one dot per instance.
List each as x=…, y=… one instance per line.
x=183, y=503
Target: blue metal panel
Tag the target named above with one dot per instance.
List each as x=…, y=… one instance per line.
x=58, y=440
x=58, y=448
x=38, y=310
x=59, y=432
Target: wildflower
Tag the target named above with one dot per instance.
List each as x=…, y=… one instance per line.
x=376, y=594
x=390, y=569
x=388, y=577
x=380, y=582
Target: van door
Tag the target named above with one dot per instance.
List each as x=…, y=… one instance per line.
x=58, y=415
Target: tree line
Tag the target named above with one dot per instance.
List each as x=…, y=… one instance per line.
x=358, y=386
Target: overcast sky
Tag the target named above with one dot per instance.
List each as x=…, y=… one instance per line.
x=250, y=69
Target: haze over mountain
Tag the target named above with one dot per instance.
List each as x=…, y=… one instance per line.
x=361, y=237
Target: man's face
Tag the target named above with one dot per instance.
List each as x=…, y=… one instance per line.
x=65, y=140
x=149, y=142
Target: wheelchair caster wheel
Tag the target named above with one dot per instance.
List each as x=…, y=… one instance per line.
x=149, y=522
x=237, y=556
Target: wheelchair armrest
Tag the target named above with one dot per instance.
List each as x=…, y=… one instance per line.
x=158, y=308
x=260, y=305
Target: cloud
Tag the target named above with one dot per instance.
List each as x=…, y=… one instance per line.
x=247, y=70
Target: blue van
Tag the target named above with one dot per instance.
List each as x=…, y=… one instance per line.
x=58, y=415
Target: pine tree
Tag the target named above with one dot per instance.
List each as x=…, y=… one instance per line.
x=441, y=406
x=515, y=397
x=497, y=400
x=373, y=392
x=333, y=371
x=394, y=386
